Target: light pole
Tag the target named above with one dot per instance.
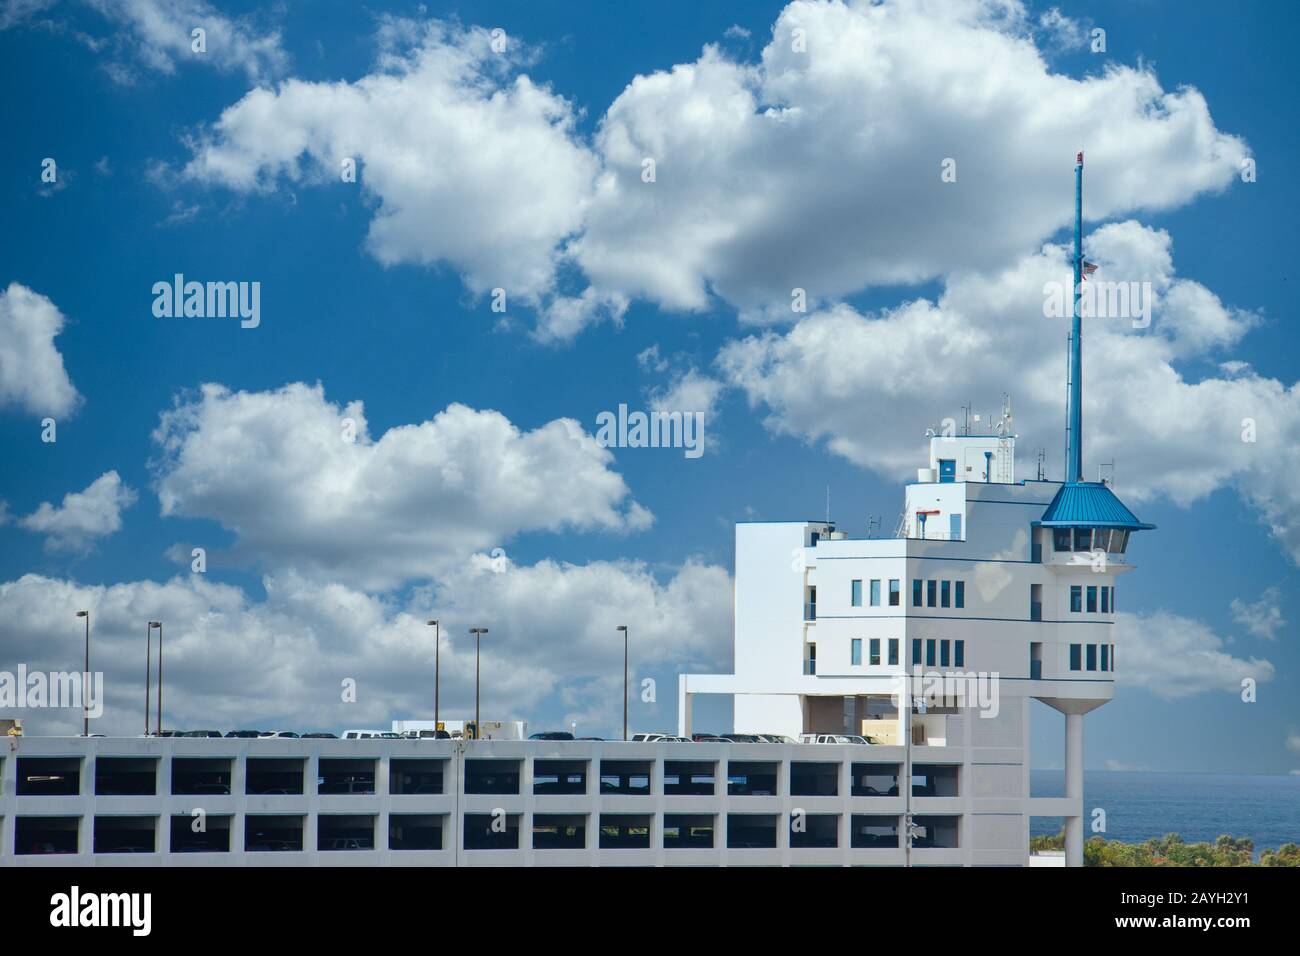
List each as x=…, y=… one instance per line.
x=478, y=633
x=147, y=648
x=437, y=635
x=85, y=698
x=158, y=624
x=623, y=628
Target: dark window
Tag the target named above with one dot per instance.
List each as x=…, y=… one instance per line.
x=750, y=831
x=624, y=831
x=688, y=831
x=916, y=592
x=875, y=652
x=814, y=830
x=943, y=654
x=688, y=777
x=916, y=650
x=945, y=594
x=492, y=776
x=1076, y=598
x=414, y=831
x=555, y=831
x=893, y=650
x=959, y=653
x=873, y=832
x=272, y=833
x=931, y=592
x=1061, y=539
x=894, y=592
x=1105, y=657
x=959, y=594
x=929, y=653
x=749, y=779
x=629, y=777
x=814, y=779
x=1092, y=599
x=1076, y=657
x=1105, y=600
x=125, y=834
x=489, y=831
x=1092, y=657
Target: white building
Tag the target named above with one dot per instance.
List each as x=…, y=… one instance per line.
x=1011, y=584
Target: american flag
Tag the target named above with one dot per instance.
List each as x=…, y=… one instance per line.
x=1088, y=269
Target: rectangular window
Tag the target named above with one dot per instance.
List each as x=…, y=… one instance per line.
x=875, y=652
x=944, y=660
x=1092, y=657
x=1105, y=600
x=1076, y=598
x=1113, y=609
x=945, y=594
x=929, y=653
x=1076, y=657
x=895, y=591
x=856, y=596
x=916, y=650
x=1061, y=539
x=1105, y=657
x=855, y=651
x=931, y=592
x=1112, y=658
x=893, y=651
x=959, y=653
x=875, y=592
x=959, y=594
x=916, y=592
x=1092, y=599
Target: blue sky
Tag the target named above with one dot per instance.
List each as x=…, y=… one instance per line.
x=131, y=120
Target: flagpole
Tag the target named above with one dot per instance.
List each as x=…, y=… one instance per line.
x=1074, y=452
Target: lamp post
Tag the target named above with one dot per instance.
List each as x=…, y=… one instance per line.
x=437, y=678
x=623, y=628
x=478, y=633
x=148, y=634
x=158, y=624
x=85, y=697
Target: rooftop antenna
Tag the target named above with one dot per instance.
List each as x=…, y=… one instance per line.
x=1042, y=461
x=873, y=525
x=1074, y=399
x=828, y=504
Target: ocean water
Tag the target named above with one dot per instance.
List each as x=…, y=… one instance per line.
x=1198, y=806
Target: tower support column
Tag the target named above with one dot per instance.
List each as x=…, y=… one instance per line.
x=1074, y=789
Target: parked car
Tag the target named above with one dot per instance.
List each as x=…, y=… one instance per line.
x=246, y=734
x=658, y=738
x=591, y=738
x=320, y=736
x=282, y=734
x=709, y=739
x=742, y=738
x=199, y=733
x=551, y=735
x=777, y=739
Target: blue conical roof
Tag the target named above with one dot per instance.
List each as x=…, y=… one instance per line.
x=1089, y=504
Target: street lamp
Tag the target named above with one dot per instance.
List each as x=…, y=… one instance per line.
x=437, y=642
x=158, y=624
x=85, y=698
x=148, y=632
x=623, y=628
x=478, y=633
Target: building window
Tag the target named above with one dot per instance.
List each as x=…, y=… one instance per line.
x=856, y=598
x=1092, y=599
x=1105, y=657
x=875, y=592
x=1112, y=599
x=1112, y=658
x=893, y=651
x=916, y=650
x=1076, y=657
x=875, y=652
x=959, y=653
x=945, y=594
x=1092, y=657
x=1105, y=600
x=959, y=594
x=855, y=651
x=916, y=592
x=929, y=653
x=1061, y=539
x=944, y=660
x=895, y=591
x=1076, y=598
x=931, y=592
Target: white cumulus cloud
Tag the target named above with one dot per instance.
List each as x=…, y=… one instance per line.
x=84, y=516
x=32, y=376
x=301, y=482
x=1174, y=656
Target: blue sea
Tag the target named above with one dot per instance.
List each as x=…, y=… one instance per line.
x=1198, y=806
